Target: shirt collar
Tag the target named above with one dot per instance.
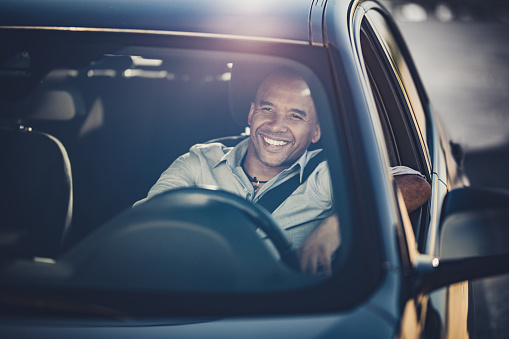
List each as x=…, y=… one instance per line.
x=302, y=162
x=234, y=155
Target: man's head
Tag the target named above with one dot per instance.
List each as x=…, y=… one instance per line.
x=282, y=119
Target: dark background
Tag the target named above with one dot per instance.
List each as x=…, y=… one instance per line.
x=461, y=49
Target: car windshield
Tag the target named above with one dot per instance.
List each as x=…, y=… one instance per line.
x=121, y=114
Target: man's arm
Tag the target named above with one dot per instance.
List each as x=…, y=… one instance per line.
x=415, y=190
x=319, y=246
x=324, y=240
x=179, y=174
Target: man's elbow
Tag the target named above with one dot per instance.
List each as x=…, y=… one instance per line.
x=423, y=189
x=415, y=190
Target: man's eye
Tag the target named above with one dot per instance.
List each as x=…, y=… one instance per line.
x=296, y=116
x=268, y=109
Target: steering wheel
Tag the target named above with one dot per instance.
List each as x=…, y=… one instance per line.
x=200, y=198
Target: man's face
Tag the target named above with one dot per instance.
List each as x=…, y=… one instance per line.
x=283, y=120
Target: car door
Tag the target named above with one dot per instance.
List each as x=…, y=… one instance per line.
x=411, y=138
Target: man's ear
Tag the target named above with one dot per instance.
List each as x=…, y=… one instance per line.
x=250, y=115
x=317, y=134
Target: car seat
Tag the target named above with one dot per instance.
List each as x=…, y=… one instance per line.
x=36, y=191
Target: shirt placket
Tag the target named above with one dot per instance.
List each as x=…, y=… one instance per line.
x=248, y=189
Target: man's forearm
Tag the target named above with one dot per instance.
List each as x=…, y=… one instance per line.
x=319, y=246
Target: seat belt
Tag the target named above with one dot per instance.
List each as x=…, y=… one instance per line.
x=277, y=195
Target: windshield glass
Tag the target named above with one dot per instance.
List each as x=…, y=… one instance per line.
x=155, y=183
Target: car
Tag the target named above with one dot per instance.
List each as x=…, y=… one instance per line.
x=98, y=98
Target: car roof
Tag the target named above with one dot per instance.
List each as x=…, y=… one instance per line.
x=281, y=19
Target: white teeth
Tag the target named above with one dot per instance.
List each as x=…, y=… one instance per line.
x=275, y=142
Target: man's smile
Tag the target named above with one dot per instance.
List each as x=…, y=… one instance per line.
x=274, y=142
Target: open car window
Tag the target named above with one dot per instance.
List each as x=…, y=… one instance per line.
x=398, y=103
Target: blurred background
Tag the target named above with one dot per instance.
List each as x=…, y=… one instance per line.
x=461, y=49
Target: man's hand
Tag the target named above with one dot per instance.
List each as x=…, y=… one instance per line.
x=319, y=246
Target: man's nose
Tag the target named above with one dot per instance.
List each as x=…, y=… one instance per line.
x=278, y=123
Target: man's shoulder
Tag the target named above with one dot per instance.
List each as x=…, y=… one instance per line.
x=216, y=152
x=316, y=167
x=213, y=149
x=315, y=161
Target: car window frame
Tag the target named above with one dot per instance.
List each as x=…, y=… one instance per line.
x=382, y=52
x=424, y=237
x=388, y=51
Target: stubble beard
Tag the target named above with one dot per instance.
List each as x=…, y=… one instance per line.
x=279, y=161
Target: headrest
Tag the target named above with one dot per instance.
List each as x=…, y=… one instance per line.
x=47, y=103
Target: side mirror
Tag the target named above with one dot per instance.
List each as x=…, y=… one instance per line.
x=474, y=238
x=474, y=234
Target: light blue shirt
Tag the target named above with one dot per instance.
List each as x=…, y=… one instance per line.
x=217, y=166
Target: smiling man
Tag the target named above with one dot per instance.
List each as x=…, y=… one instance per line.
x=283, y=123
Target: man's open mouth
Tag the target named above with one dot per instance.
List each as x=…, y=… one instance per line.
x=273, y=142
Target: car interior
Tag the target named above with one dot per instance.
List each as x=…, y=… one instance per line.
x=109, y=134
x=121, y=115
